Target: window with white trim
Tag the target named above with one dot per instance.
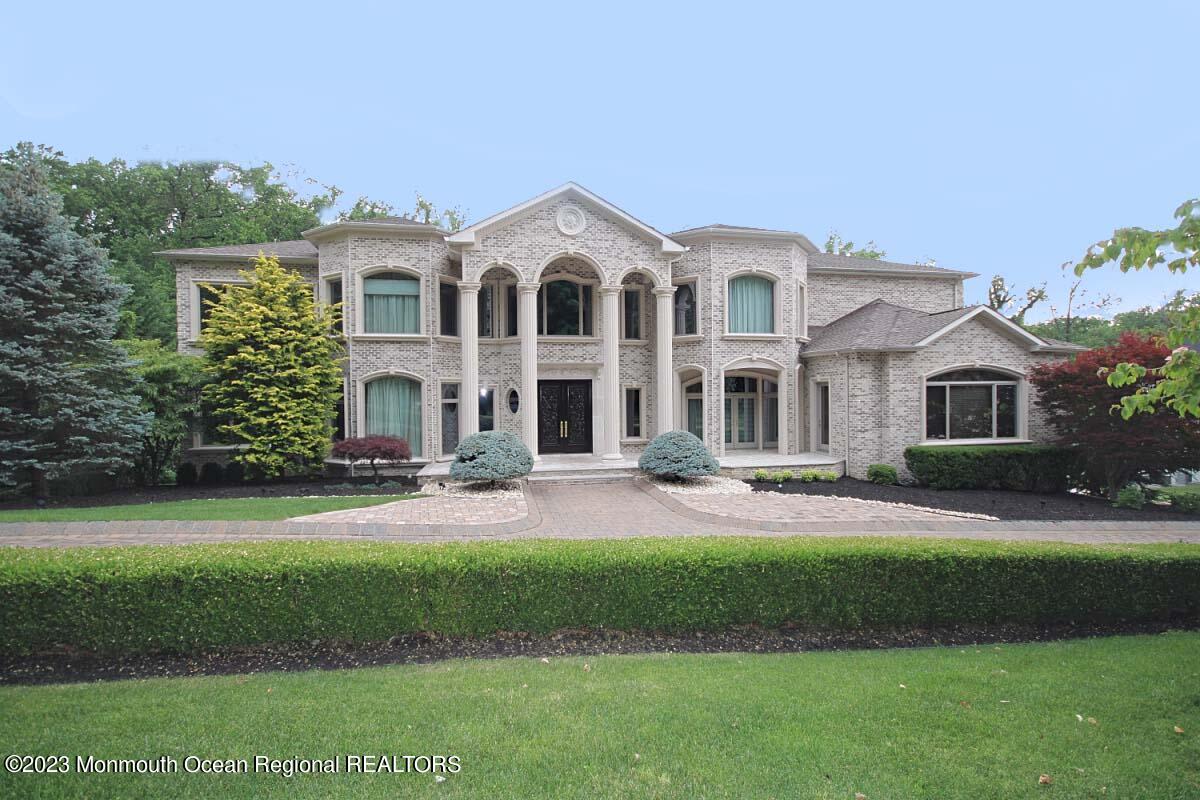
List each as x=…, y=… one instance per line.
x=632, y=413
x=687, y=308
x=631, y=312
x=971, y=404
x=565, y=308
x=447, y=308
x=801, y=309
x=750, y=305
x=391, y=303
x=448, y=404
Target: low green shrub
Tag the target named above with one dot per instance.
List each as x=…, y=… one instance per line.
x=491, y=456
x=1184, y=498
x=677, y=455
x=211, y=473
x=1130, y=496
x=1022, y=467
x=883, y=474
x=810, y=475
x=234, y=472
x=184, y=599
x=761, y=475
x=186, y=474
x=782, y=476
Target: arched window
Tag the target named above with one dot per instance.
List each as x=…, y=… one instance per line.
x=686, y=323
x=972, y=404
x=391, y=303
x=751, y=305
x=393, y=408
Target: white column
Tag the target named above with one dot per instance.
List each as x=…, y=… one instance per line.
x=664, y=332
x=468, y=329
x=611, y=402
x=527, y=312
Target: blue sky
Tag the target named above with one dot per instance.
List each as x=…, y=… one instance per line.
x=1000, y=138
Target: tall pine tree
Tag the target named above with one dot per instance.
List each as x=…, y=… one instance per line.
x=67, y=404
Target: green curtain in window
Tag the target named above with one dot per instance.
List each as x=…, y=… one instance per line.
x=751, y=305
x=392, y=305
x=394, y=409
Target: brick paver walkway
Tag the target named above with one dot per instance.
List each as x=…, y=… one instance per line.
x=801, y=509
x=440, y=510
x=611, y=510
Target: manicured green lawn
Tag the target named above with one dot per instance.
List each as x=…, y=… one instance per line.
x=974, y=722
x=263, y=508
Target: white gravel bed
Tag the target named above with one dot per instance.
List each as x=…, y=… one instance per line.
x=714, y=484
x=478, y=489
x=926, y=509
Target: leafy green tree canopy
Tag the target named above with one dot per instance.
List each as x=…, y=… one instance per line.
x=276, y=370
x=838, y=246
x=1178, y=378
x=170, y=390
x=66, y=390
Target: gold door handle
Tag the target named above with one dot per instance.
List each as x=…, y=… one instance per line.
x=562, y=434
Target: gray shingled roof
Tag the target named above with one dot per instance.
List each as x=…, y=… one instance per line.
x=300, y=248
x=880, y=325
x=834, y=261
x=395, y=220
x=723, y=227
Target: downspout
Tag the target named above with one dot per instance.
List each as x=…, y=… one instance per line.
x=847, y=412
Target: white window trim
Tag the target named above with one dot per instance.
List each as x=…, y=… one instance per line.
x=814, y=415
x=640, y=291
x=360, y=408
x=776, y=297
x=703, y=397
x=1022, y=420
x=441, y=281
x=544, y=314
x=694, y=280
x=641, y=412
x=441, y=409
x=216, y=283
x=801, y=303
x=495, y=403
x=359, y=302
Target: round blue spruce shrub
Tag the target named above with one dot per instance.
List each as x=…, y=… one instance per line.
x=490, y=456
x=677, y=455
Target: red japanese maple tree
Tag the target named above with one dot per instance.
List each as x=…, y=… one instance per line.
x=1113, y=451
x=374, y=449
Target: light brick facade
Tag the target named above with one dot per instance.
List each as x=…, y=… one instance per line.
x=875, y=396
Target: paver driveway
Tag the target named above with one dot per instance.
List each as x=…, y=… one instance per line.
x=589, y=511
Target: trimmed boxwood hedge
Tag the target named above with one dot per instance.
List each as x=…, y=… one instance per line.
x=183, y=599
x=1023, y=467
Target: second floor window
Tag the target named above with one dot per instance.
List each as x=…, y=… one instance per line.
x=447, y=309
x=391, y=304
x=632, y=313
x=751, y=305
x=685, y=310
x=566, y=309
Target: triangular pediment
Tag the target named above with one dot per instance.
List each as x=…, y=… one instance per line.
x=469, y=236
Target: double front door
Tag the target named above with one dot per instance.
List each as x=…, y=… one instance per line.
x=564, y=416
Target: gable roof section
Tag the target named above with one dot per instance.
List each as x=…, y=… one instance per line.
x=833, y=263
x=880, y=326
x=294, y=251
x=469, y=236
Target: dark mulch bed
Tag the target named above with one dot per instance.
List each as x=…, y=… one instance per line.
x=324, y=487
x=1004, y=505
x=63, y=667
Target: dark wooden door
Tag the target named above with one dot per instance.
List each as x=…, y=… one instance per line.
x=564, y=416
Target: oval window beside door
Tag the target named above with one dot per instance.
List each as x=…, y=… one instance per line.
x=514, y=401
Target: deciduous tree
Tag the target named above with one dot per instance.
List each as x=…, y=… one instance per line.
x=1113, y=450
x=170, y=390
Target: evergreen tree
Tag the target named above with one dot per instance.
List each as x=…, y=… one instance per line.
x=67, y=403
x=275, y=369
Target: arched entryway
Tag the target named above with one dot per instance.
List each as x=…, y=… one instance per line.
x=754, y=407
